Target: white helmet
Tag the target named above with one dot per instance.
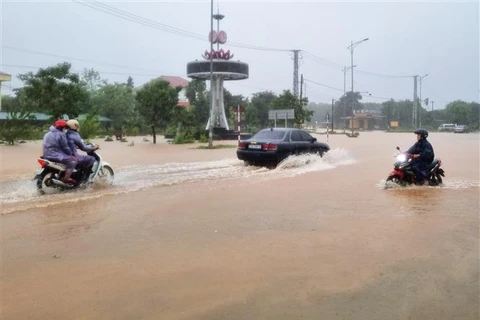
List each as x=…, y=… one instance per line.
x=73, y=124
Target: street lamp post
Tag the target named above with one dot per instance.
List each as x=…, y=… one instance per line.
x=344, y=106
x=420, y=102
x=210, y=127
x=351, y=47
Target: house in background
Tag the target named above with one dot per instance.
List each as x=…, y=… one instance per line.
x=366, y=120
x=3, y=77
x=179, y=82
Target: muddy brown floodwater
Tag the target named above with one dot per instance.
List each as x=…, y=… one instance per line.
x=188, y=234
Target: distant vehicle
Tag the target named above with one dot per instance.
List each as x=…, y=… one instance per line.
x=447, y=127
x=270, y=146
x=460, y=129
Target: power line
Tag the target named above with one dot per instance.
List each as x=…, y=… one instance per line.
x=323, y=85
x=167, y=28
x=99, y=71
x=71, y=58
x=321, y=60
x=381, y=75
x=335, y=65
x=160, y=26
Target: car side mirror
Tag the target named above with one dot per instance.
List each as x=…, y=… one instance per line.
x=314, y=139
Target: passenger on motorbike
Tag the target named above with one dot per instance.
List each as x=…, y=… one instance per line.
x=422, y=154
x=75, y=141
x=55, y=148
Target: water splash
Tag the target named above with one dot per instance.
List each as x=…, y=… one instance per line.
x=22, y=194
x=447, y=184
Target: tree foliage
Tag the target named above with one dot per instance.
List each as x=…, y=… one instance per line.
x=156, y=102
x=199, y=99
x=117, y=102
x=17, y=126
x=288, y=101
x=54, y=90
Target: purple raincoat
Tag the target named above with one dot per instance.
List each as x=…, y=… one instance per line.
x=75, y=141
x=55, y=146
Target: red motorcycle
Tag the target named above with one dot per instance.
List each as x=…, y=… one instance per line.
x=403, y=174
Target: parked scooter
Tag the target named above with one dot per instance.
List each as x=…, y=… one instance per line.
x=50, y=175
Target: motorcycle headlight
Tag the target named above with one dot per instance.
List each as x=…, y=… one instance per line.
x=401, y=157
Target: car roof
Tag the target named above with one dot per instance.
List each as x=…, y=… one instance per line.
x=280, y=129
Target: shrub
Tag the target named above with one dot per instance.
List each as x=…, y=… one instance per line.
x=183, y=138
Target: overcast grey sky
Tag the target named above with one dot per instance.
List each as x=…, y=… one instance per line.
x=405, y=39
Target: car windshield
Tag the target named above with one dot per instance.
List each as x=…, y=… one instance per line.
x=269, y=135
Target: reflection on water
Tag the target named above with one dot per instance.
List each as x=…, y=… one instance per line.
x=22, y=194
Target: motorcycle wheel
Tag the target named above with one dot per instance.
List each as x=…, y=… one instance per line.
x=439, y=179
x=106, y=175
x=44, y=182
x=397, y=180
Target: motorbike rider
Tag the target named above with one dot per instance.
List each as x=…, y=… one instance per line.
x=422, y=154
x=55, y=148
x=75, y=141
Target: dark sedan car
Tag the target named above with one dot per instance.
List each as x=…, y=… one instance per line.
x=271, y=146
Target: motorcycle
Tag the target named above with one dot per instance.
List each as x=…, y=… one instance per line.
x=50, y=174
x=403, y=174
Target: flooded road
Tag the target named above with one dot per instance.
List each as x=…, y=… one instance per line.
x=185, y=233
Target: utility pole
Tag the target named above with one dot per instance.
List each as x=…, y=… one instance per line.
x=432, y=105
x=212, y=111
x=295, y=72
x=333, y=115
x=420, y=102
x=301, y=86
x=351, y=47
x=415, y=104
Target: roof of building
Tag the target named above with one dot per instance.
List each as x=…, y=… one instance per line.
x=3, y=73
x=183, y=104
x=175, y=81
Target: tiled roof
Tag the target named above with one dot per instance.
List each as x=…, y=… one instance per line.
x=183, y=104
x=175, y=81
x=4, y=74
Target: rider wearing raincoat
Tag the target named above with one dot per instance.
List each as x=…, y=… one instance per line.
x=55, y=148
x=422, y=154
x=75, y=141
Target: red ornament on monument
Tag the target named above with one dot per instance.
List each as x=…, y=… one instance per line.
x=222, y=37
x=213, y=36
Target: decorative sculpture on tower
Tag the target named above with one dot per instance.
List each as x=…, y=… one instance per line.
x=219, y=66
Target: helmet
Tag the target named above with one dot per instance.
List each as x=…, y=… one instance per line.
x=73, y=124
x=60, y=124
x=422, y=132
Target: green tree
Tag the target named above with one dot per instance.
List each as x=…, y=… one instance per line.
x=156, y=102
x=257, y=110
x=459, y=112
x=54, y=90
x=199, y=98
x=90, y=126
x=92, y=82
x=474, y=115
x=17, y=126
x=288, y=101
x=10, y=103
x=117, y=102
